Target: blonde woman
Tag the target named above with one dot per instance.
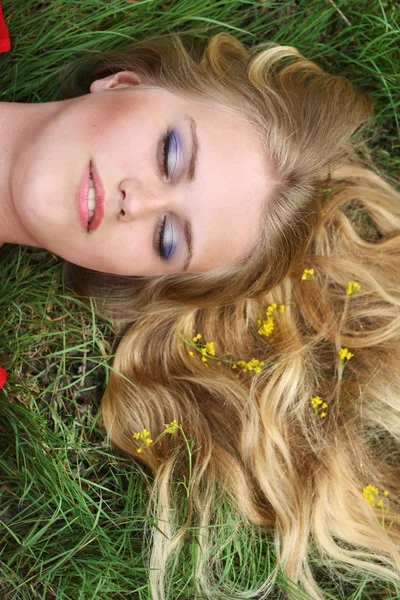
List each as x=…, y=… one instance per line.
x=254, y=315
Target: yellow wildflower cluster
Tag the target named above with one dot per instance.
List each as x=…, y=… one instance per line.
x=307, y=274
x=319, y=406
x=352, y=287
x=144, y=437
x=372, y=496
x=344, y=354
x=171, y=427
x=266, y=326
x=207, y=350
x=252, y=365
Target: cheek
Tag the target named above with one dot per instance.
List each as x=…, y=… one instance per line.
x=93, y=120
x=124, y=251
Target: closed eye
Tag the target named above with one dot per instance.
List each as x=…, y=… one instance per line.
x=170, y=149
x=165, y=239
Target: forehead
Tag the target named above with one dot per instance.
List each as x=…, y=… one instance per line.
x=232, y=186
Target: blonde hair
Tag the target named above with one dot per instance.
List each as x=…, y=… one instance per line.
x=260, y=439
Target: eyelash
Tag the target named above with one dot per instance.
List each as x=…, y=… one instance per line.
x=160, y=237
x=165, y=151
x=164, y=167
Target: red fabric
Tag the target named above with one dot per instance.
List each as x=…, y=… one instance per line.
x=3, y=376
x=5, y=43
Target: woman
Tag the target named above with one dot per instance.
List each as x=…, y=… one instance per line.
x=291, y=393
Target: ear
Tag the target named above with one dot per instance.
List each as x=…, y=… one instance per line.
x=115, y=81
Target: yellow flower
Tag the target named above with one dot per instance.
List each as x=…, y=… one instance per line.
x=352, y=287
x=243, y=365
x=370, y=493
x=316, y=401
x=210, y=348
x=306, y=274
x=144, y=438
x=207, y=350
x=344, y=354
x=171, y=427
x=257, y=363
x=265, y=327
x=319, y=405
x=142, y=435
x=252, y=365
x=374, y=498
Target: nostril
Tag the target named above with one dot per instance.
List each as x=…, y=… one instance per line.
x=122, y=212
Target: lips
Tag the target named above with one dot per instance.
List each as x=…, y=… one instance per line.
x=100, y=199
x=82, y=199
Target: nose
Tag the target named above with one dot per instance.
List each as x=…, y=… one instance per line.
x=140, y=200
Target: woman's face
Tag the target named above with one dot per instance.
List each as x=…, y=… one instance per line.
x=184, y=182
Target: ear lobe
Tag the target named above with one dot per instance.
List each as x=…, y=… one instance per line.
x=118, y=80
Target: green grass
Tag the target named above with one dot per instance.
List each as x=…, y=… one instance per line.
x=72, y=510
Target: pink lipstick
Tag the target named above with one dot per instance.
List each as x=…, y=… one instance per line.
x=100, y=199
x=82, y=199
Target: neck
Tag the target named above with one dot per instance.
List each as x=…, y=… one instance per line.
x=19, y=125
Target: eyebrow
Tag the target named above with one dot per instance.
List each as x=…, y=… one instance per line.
x=187, y=228
x=191, y=174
